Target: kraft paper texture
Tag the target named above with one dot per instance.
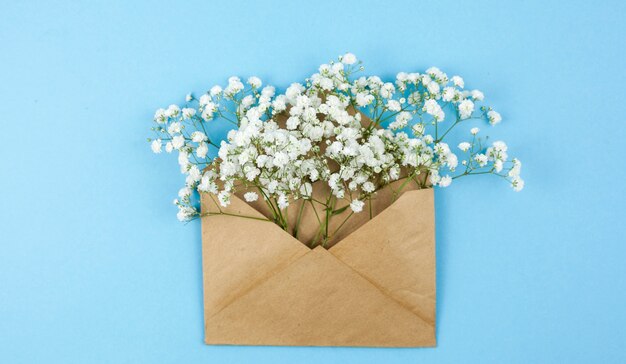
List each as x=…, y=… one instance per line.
x=373, y=284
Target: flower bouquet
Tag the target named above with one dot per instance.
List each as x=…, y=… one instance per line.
x=317, y=209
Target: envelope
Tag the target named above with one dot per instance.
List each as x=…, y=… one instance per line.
x=372, y=284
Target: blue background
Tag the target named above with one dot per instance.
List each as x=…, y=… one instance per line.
x=95, y=268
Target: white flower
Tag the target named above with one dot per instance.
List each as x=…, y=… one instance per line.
x=433, y=88
x=517, y=184
x=498, y=165
x=202, y=150
x=418, y=129
x=458, y=81
x=156, y=146
x=393, y=105
x=281, y=159
x=356, y=205
x=198, y=136
x=194, y=174
x=188, y=113
x=189, y=97
x=160, y=117
x=186, y=213
x=215, y=90
x=283, y=202
x=444, y=181
x=494, y=117
x=402, y=120
x=207, y=185
x=208, y=111
x=293, y=91
x=234, y=86
x=255, y=82
x=448, y=94
x=178, y=142
x=517, y=168
x=224, y=198
x=363, y=99
x=174, y=128
x=481, y=159
x=466, y=108
x=387, y=90
x=348, y=58
x=184, y=192
x=477, y=95
x=368, y=187
x=433, y=108
x=314, y=132
x=172, y=111
x=251, y=196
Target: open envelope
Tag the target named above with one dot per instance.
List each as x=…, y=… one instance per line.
x=374, y=285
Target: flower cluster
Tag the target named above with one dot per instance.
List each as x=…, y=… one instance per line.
x=351, y=135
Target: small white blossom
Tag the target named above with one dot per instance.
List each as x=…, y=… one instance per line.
x=178, y=142
x=198, y=136
x=283, y=202
x=356, y=205
x=363, y=99
x=445, y=181
x=433, y=108
x=156, y=146
x=215, y=91
x=494, y=117
x=251, y=196
x=517, y=184
x=466, y=108
x=255, y=82
x=202, y=150
x=348, y=58
x=477, y=95
x=464, y=146
x=458, y=81
x=188, y=113
x=172, y=111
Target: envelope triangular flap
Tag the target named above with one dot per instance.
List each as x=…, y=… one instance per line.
x=396, y=252
x=318, y=301
x=240, y=252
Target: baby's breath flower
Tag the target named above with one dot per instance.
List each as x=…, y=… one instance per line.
x=494, y=117
x=156, y=146
x=251, y=196
x=255, y=82
x=348, y=59
x=316, y=133
x=458, y=81
x=466, y=108
x=356, y=205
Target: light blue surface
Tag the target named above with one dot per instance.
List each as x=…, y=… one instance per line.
x=94, y=267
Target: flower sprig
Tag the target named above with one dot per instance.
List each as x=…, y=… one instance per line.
x=346, y=134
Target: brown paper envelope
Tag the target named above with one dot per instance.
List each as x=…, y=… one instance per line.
x=376, y=287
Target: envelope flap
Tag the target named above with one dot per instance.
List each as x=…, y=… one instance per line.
x=396, y=252
x=317, y=301
x=240, y=252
